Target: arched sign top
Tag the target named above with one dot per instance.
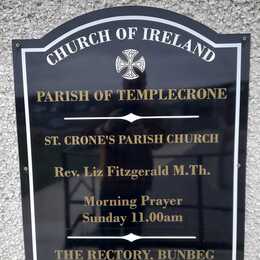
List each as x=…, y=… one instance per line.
x=136, y=13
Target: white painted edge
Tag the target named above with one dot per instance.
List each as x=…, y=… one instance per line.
x=236, y=153
x=143, y=18
x=29, y=152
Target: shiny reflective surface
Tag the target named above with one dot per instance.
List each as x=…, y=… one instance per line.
x=200, y=210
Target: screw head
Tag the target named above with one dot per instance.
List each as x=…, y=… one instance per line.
x=18, y=45
x=244, y=38
x=25, y=168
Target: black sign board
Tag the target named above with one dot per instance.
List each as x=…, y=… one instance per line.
x=132, y=125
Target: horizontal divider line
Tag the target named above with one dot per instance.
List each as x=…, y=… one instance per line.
x=133, y=237
x=131, y=117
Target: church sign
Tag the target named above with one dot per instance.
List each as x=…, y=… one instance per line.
x=132, y=125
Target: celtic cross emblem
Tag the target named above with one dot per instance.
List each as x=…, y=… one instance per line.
x=129, y=64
